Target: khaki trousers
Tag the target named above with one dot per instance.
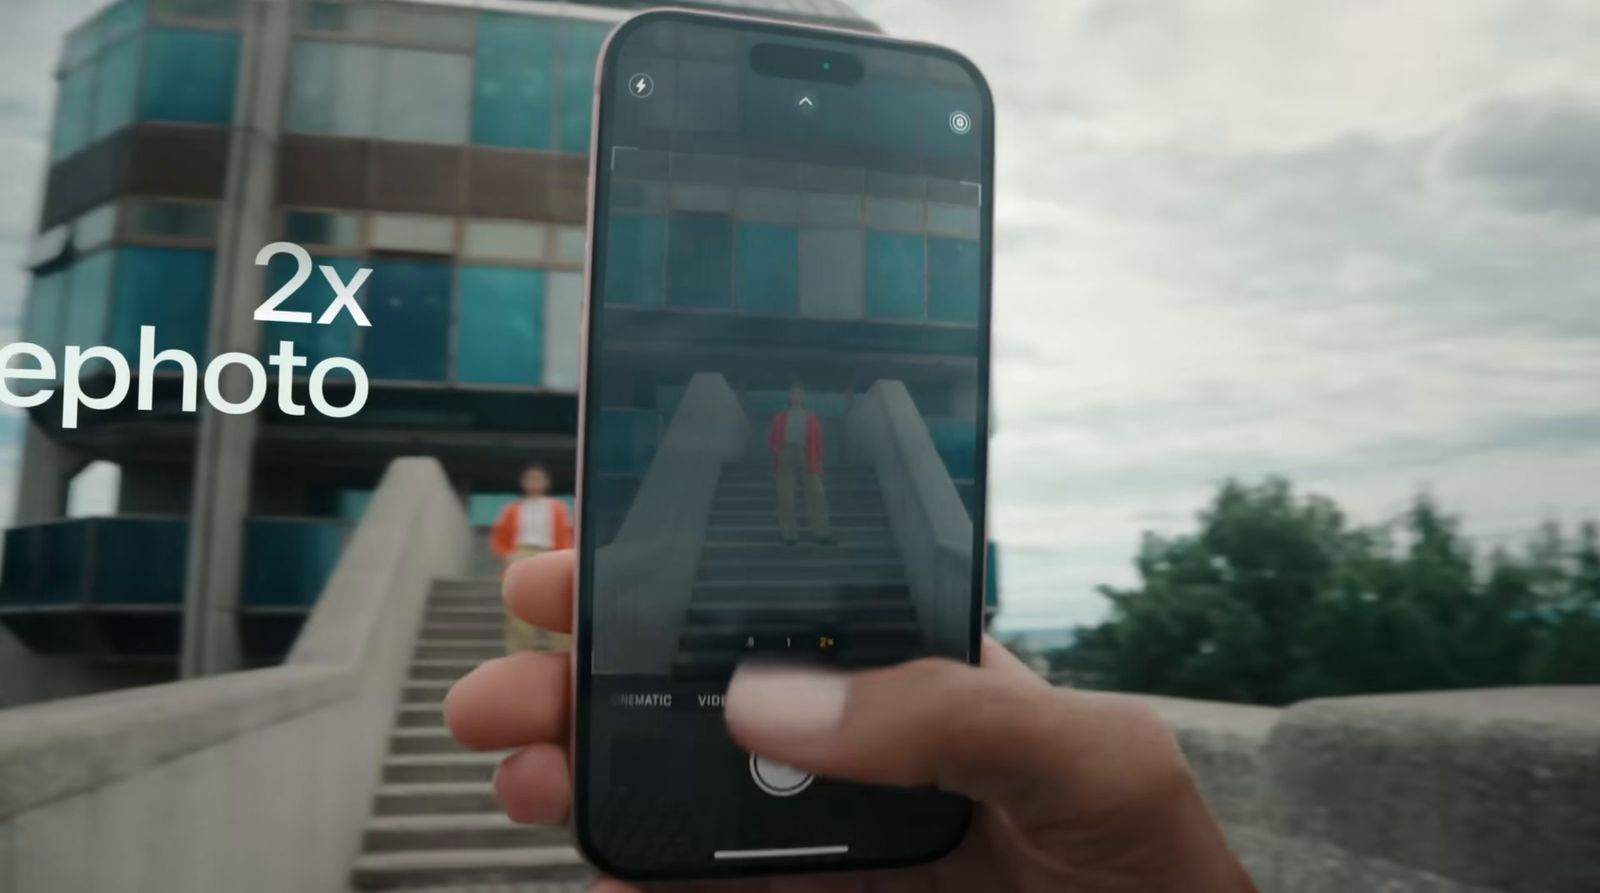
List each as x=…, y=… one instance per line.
x=521, y=636
x=793, y=475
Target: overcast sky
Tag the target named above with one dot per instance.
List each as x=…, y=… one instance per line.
x=1354, y=243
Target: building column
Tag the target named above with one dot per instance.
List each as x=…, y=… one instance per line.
x=43, y=478
x=225, y=447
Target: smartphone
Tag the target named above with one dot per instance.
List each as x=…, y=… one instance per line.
x=783, y=425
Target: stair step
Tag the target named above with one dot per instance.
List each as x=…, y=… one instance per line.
x=817, y=567
x=757, y=475
x=477, y=830
x=875, y=517
x=491, y=625
x=485, y=600
x=440, y=668
x=476, y=616
x=425, y=692
x=856, y=501
x=808, y=614
x=438, y=768
x=805, y=589
x=469, y=867
x=845, y=550
x=766, y=533
x=435, y=739
x=461, y=649
x=434, y=798
x=413, y=716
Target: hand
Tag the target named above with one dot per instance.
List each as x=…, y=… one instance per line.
x=1076, y=792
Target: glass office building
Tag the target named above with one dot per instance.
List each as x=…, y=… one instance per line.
x=441, y=145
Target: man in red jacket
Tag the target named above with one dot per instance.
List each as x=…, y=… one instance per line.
x=795, y=440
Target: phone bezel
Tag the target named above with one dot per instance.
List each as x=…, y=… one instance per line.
x=580, y=662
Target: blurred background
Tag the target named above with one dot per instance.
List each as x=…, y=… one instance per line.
x=1297, y=396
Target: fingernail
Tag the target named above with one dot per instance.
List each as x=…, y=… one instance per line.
x=785, y=702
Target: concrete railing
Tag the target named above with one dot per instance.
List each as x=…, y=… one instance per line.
x=1494, y=791
x=645, y=577
x=254, y=781
x=931, y=525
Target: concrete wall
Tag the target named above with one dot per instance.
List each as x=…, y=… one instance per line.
x=253, y=781
x=1453, y=792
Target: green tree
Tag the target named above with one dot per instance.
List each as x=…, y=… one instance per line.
x=1276, y=598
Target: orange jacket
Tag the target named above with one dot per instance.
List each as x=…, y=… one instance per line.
x=779, y=427
x=503, y=536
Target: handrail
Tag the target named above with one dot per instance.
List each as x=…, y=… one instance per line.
x=414, y=530
x=645, y=577
x=931, y=524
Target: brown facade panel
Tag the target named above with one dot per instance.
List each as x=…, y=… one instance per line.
x=183, y=162
x=83, y=181
x=569, y=188
x=416, y=179
x=503, y=183
x=322, y=172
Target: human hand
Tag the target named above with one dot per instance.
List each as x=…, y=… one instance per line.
x=1076, y=792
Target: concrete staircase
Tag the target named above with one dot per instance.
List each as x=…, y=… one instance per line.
x=756, y=594
x=435, y=822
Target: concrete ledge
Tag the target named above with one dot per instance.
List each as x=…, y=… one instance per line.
x=1495, y=788
x=1451, y=792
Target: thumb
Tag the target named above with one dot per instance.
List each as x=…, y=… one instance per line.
x=996, y=733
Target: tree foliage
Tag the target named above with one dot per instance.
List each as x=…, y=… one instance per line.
x=1277, y=598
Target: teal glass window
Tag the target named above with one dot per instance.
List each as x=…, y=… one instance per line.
x=700, y=260
x=627, y=440
x=42, y=324
x=73, y=109
x=954, y=280
x=339, y=338
x=288, y=562
x=176, y=220
x=333, y=88
x=408, y=303
x=767, y=270
x=634, y=260
x=121, y=19
x=499, y=335
x=88, y=298
x=563, y=320
x=424, y=96
x=190, y=76
x=138, y=561
x=168, y=288
x=322, y=228
x=514, y=88
x=580, y=47
x=895, y=274
x=116, y=86
x=957, y=443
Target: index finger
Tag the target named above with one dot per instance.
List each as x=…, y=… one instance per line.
x=538, y=590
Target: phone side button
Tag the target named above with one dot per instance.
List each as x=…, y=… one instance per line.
x=777, y=779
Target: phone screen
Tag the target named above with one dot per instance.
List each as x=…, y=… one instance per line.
x=785, y=421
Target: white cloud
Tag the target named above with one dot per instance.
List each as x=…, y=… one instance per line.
x=1250, y=237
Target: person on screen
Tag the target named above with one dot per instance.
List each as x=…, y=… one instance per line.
x=795, y=440
x=532, y=525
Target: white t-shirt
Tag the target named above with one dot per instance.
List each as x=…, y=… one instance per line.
x=535, y=524
x=795, y=428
